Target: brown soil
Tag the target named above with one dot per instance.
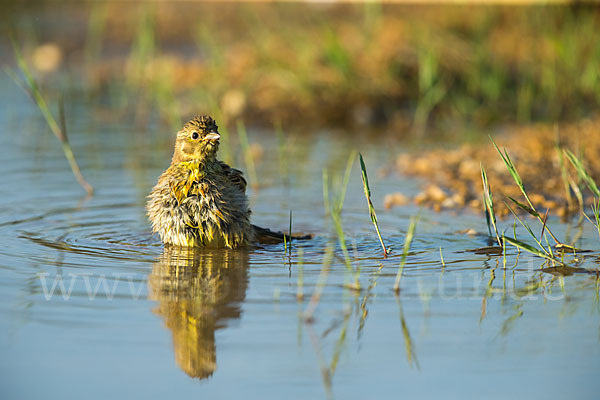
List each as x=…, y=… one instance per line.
x=454, y=176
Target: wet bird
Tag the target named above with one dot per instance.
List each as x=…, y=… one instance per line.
x=200, y=201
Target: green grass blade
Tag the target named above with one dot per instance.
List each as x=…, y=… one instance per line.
x=488, y=201
x=365, y=181
x=532, y=249
x=365, y=178
x=526, y=226
x=582, y=172
x=32, y=88
x=517, y=178
x=524, y=207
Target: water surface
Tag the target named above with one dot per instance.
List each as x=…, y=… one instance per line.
x=133, y=319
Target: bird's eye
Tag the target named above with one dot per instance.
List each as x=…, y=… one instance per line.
x=195, y=135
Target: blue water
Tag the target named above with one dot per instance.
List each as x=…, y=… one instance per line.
x=136, y=321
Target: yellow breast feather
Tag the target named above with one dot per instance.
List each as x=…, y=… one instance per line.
x=181, y=188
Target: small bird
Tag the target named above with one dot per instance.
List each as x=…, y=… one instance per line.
x=200, y=201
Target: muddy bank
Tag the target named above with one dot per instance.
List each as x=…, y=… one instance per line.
x=454, y=176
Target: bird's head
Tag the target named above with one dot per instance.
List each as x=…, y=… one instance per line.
x=197, y=140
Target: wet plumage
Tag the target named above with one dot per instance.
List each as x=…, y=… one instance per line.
x=199, y=200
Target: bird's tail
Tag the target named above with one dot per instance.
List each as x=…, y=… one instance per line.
x=267, y=236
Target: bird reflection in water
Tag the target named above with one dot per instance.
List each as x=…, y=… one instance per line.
x=198, y=291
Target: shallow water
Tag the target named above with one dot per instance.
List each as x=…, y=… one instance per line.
x=92, y=305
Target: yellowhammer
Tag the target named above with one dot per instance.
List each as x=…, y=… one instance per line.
x=199, y=200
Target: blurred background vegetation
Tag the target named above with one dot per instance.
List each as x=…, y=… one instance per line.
x=411, y=70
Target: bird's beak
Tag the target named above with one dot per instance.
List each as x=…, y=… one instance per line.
x=212, y=136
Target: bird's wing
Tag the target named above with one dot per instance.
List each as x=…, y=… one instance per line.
x=235, y=176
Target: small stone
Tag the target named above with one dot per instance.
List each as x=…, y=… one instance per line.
x=394, y=200
x=436, y=193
